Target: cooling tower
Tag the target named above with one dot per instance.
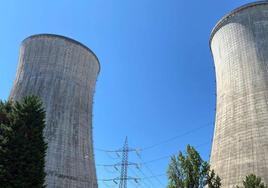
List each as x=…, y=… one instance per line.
x=239, y=44
x=63, y=73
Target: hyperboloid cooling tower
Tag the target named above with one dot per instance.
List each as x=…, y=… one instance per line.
x=63, y=73
x=239, y=44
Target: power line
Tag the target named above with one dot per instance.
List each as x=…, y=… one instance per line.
x=153, y=175
x=109, y=171
x=117, y=150
x=107, y=185
x=110, y=156
x=159, y=143
x=149, y=179
x=140, y=179
x=168, y=156
x=158, y=159
x=123, y=178
x=176, y=137
x=159, y=175
x=137, y=185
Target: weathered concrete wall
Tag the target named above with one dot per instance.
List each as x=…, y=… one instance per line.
x=63, y=73
x=239, y=44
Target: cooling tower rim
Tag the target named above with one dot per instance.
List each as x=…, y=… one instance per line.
x=231, y=14
x=64, y=38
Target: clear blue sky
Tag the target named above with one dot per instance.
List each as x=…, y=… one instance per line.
x=157, y=79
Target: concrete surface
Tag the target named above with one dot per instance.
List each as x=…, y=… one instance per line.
x=63, y=73
x=239, y=44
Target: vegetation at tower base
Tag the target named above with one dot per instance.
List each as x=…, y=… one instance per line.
x=253, y=181
x=190, y=171
x=5, y=136
x=22, y=145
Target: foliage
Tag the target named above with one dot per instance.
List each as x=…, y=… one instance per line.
x=190, y=171
x=253, y=181
x=22, y=146
x=6, y=134
x=212, y=180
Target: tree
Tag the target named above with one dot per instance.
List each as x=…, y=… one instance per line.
x=22, y=145
x=253, y=181
x=212, y=180
x=190, y=171
x=5, y=136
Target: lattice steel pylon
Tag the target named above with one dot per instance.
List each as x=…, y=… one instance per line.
x=124, y=166
x=123, y=178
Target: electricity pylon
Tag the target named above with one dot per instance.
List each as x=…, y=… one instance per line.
x=124, y=178
x=124, y=166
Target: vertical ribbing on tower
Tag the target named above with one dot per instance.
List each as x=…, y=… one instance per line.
x=239, y=44
x=63, y=73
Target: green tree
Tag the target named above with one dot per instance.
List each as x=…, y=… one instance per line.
x=190, y=171
x=212, y=180
x=22, y=146
x=253, y=181
x=6, y=134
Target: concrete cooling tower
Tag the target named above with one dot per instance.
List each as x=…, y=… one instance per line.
x=239, y=44
x=63, y=73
